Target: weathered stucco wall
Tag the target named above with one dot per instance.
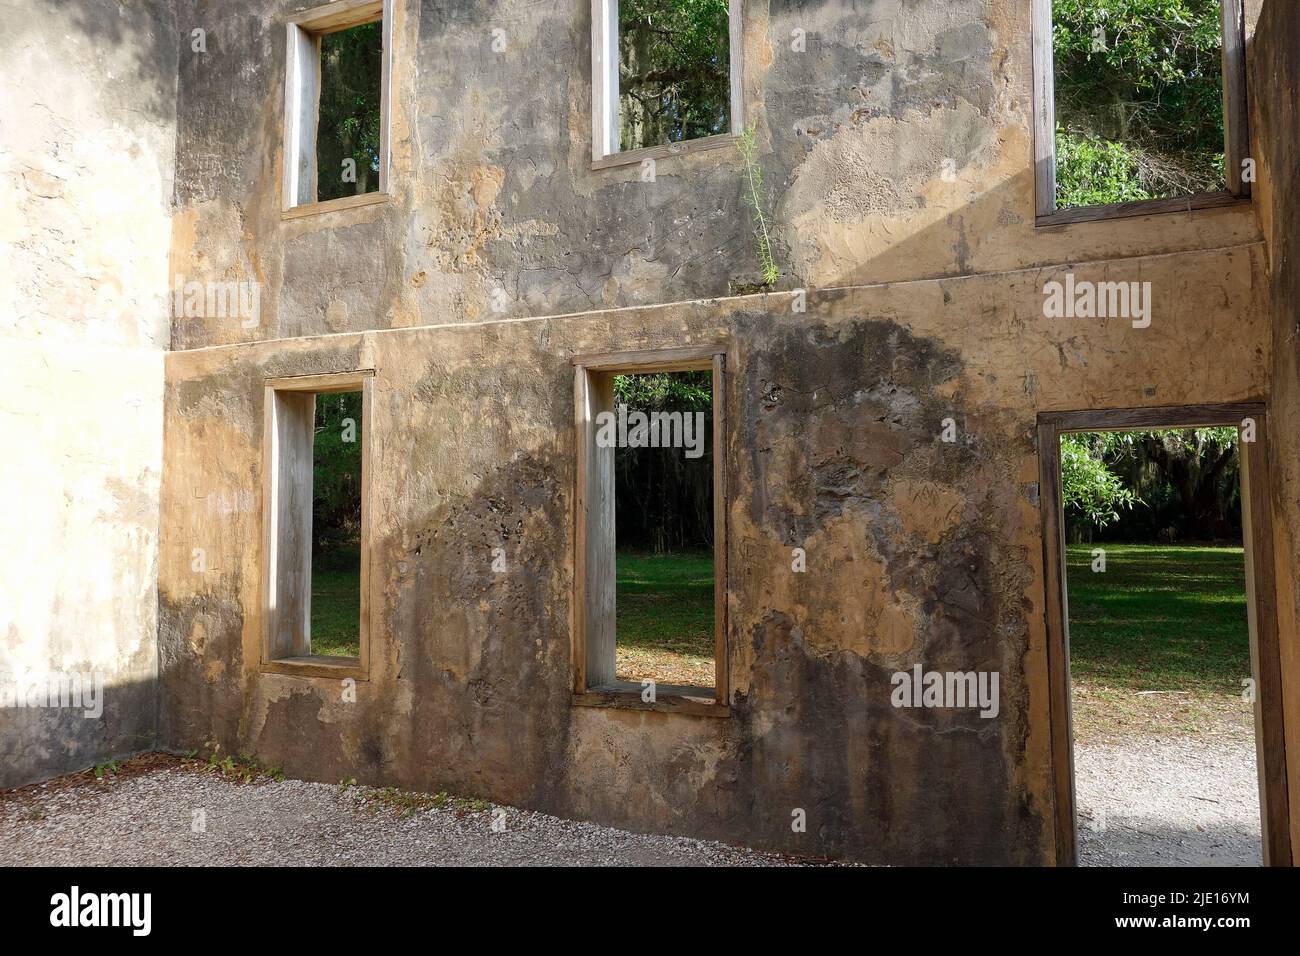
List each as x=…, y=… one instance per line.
x=926, y=303
x=1276, y=117
x=919, y=551
x=496, y=211
x=86, y=165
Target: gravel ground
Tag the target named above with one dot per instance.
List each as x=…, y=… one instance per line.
x=147, y=819
x=1177, y=801
x=1149, y=801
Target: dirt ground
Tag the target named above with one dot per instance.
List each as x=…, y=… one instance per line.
x=1165, y=780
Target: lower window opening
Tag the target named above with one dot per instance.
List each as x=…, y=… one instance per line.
x=663, y=509
x=651, y=615
x=335, y=614
x=315, y=538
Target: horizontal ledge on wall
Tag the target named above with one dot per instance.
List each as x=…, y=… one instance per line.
x=683, y=148
x=669, y=699
x=335, y=205
x=317, y=665
x=1141, y=207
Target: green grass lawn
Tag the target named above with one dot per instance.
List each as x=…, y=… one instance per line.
x=1160, y=618
x=335, y=611
x=665, y=617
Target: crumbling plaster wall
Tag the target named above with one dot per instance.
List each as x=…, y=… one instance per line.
x=1276, y=90
x=87, y=147
x=896, y=145
x=919, y=551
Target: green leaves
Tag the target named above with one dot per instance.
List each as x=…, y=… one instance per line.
x=1089, y=488
x=754, y=198
x=674, y=67
x=663, y=500
x=336, y=467
x=1138, y=99
x=665, y=391
x=1188, y=470
x=348, y=123
x=1092, y=171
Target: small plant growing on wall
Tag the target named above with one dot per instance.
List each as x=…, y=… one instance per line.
x=754, y=198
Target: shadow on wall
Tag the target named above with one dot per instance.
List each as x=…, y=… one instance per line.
x=998, y=223
x=45, y=733
x=143, y=35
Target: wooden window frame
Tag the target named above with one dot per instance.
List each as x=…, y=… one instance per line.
x=1236, y=128
x=279, y=465
x=605, y=151
x=302, y=104
x=593, y=601
x=1261, y=604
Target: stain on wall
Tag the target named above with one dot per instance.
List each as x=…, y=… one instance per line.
x=920, y=551
x=897, y=152
x=895, y=145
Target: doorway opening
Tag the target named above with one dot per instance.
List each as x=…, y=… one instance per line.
x=1164, y=671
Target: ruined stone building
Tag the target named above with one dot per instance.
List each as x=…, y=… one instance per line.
x=889, y=405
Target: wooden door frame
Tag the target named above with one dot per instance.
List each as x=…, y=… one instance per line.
x=1261, y=603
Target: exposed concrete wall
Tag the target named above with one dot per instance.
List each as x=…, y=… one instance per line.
x=919, y=551
x=86, y=166
x=494, y=195
x=1276, y=92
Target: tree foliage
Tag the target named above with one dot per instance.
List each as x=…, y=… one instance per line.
x=665, y=391
x=663, y=501
x=1184, y=479
x=336, y=473
x=1138, y=99
x=1089, y=489
x=1195, y=470
x=349, y=114
x=674, y=61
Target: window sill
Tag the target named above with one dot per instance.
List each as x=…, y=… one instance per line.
x=669, y=699
x=317, y=665
x=634, y=156
x=335, y=205
x=1144, y=207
